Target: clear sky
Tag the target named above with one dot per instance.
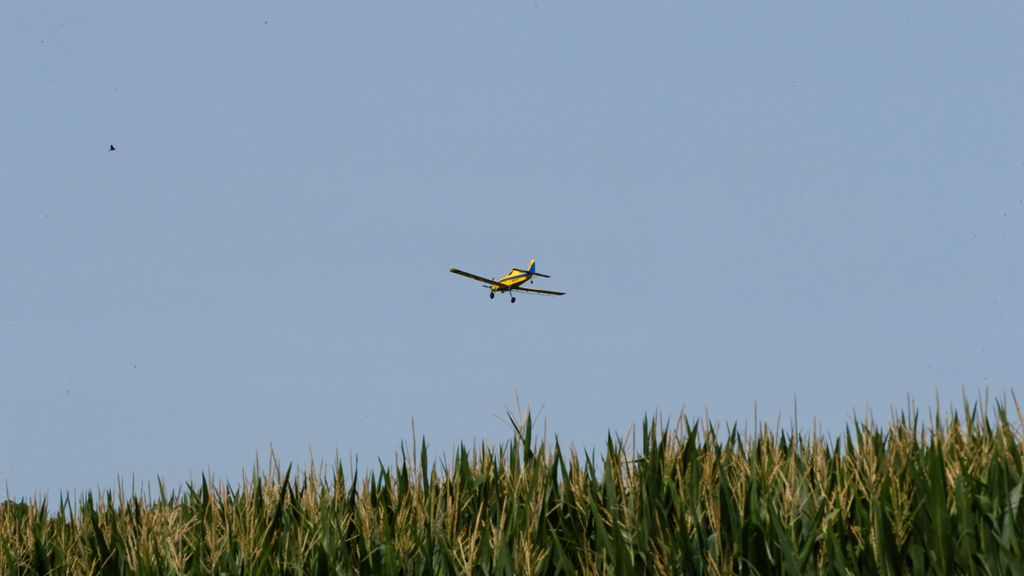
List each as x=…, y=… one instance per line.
x=746, y=203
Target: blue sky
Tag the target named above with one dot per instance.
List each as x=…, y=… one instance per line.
x=747, y=205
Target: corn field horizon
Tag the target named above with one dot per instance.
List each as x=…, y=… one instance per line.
x=939, y=494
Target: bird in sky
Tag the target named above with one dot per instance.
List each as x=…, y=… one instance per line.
x=112, y=148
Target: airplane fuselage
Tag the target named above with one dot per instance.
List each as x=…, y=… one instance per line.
x=511, y=280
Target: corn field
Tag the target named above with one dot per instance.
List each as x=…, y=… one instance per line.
x=939, y=496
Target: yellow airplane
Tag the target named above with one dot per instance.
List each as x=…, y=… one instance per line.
x=512, y=281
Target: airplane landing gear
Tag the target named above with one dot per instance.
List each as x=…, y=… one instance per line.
x=492, y=295
x=513, y=299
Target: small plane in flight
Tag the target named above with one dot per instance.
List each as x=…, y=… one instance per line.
x=512, y=281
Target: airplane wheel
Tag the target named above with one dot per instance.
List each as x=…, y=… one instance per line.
x=513, y=299
x=492, y=295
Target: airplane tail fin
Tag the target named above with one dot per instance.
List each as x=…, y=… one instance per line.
x=533, y=270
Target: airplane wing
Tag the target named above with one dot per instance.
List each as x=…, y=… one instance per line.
x=487, y=281
x=535, y=291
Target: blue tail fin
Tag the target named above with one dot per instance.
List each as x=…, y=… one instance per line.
x=533, y=266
